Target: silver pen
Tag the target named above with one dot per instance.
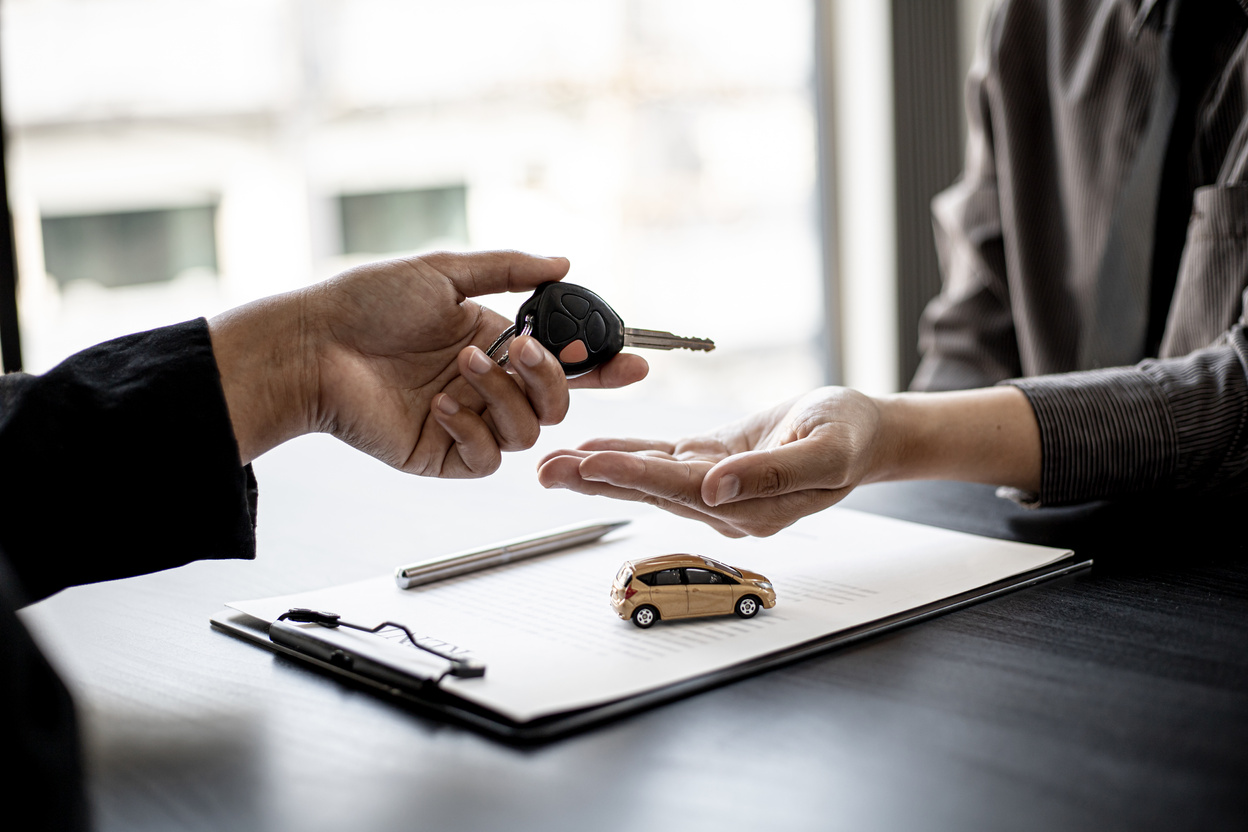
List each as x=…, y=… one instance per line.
x=473, y=560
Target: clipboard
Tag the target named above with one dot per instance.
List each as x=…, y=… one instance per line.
x=424, y=692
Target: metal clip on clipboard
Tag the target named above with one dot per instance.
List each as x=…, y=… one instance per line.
x=313, y=634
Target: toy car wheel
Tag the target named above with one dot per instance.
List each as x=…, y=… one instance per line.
x=643, y=617
x=748, y=606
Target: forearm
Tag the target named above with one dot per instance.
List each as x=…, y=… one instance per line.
x=989, y=436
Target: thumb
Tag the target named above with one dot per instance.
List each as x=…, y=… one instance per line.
x=796, y=466
x=490, y=272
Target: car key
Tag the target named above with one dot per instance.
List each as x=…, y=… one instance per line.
x=582, y=330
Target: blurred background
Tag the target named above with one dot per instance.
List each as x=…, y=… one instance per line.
x=756, y=172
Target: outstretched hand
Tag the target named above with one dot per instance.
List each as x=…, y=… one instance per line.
x=753, y=477
x=389, y=357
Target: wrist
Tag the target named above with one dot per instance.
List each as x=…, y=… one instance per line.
x=902, y=444
x=267, y=367
x=988, y=435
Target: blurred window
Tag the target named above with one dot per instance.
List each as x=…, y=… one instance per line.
x=396, y=221
x=131, y=247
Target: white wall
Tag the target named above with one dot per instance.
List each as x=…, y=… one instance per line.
x=865, y=192
x=864, y=174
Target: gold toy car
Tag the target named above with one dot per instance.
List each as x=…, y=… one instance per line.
x=684, y=586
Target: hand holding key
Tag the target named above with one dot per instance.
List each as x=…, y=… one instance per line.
x=389, y=357
x=581, y=330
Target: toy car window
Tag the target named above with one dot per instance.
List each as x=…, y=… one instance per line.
x=647, y=579
x=625, y=575
x=722, y=567
x=704, y=576
x=668, y=577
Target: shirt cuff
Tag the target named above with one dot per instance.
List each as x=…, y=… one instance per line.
x=1102, y=433
x=1175, y=424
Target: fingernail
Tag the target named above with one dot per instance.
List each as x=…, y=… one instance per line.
x=479, y=362
x=531, y=354
x=729, y=487
x=447, y=405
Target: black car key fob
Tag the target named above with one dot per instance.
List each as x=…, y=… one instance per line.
x=574, y=324
x=581, y=330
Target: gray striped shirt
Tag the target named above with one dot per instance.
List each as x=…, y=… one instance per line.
x=1057, y=103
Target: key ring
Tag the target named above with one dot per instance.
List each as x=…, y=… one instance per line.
x=508, y=335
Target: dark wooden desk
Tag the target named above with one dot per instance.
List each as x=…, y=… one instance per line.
x=1117, y=699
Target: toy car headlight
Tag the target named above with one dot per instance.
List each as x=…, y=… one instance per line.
x=764, y=584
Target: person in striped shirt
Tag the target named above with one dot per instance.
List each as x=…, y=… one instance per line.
x=1089, y=339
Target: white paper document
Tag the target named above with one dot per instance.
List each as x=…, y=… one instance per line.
x=551, y=642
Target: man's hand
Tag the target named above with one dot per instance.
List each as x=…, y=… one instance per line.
x=759, y=475
x=389, y=358
x=753, y=477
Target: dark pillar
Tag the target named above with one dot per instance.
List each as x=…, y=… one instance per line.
x=927, y=117
x=10, y=335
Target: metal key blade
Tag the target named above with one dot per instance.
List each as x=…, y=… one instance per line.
x=653, y=339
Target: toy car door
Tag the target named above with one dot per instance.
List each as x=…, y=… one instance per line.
x=668, y=594
x=709, y=592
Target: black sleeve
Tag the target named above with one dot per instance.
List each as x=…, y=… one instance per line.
x=121, y=461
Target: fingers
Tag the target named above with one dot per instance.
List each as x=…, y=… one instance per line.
x=506, y=413
x=790, y=468
x=594, y=445
x=680, y=486
x=479, y=453
x=675, y=483
x=536, y=395
x=562, y=470
x=622, y=370
x=516, y=411
x=756, y=477
x=765, y=516
x=491, y=272
x=673, y=480
x=545, y=386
